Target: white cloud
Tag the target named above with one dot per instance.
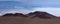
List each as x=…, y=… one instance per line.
x=53, y=11
x=16, y=10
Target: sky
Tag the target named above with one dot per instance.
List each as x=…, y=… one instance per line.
x=26, y=6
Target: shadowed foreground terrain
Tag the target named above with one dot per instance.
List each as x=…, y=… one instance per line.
x=31, y=18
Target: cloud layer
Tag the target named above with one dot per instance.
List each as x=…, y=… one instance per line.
x=50, y=6
x=53, y=11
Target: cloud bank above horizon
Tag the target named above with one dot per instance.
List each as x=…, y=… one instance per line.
x=53, y=11
x=26, y=6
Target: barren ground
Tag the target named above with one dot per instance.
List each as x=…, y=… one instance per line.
x=27, y=20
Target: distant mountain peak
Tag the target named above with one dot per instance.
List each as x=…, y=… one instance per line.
x=40, y=14
x=15, y=14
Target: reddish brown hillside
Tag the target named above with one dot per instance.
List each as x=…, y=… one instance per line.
x=16, y=14
x=41, y=14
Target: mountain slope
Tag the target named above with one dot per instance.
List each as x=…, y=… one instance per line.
x=41, y=14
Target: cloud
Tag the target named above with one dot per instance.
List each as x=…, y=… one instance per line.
x=36, y=4
x=53, y=11
x=16, y=10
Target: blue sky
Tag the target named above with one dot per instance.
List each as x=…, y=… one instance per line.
x=43, y=3
x=39, y=3
x=26, y=6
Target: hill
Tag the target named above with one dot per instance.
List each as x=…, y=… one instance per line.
x=41, y=14
x=14, y=15
x=37, y=17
